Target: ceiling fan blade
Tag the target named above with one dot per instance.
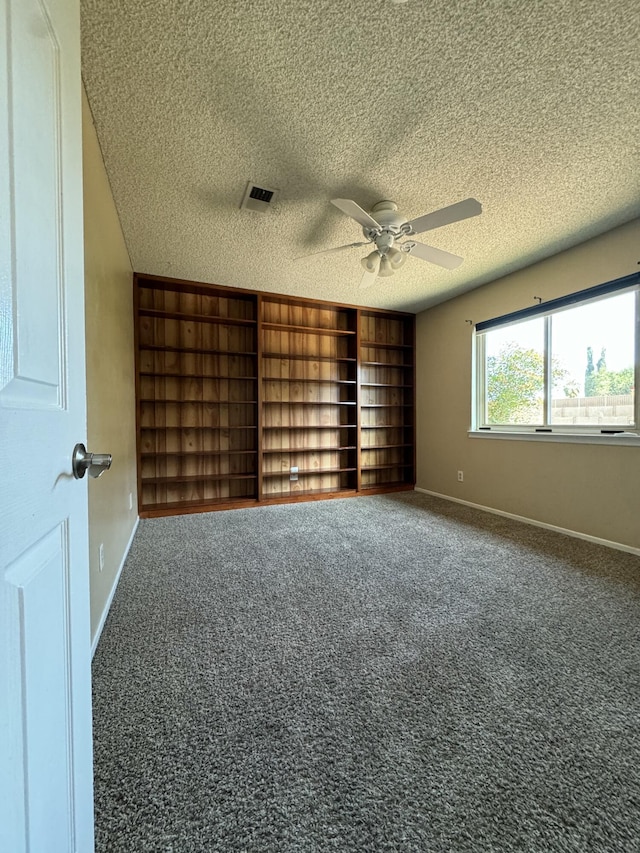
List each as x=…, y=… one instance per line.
x=435, y=256
x=446, y=215
x=355, y=212
x=330, y=251
x=370, y=276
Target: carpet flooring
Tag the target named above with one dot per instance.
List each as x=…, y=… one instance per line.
x=389, y=673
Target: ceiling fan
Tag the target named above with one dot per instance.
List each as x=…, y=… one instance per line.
x=385, y=227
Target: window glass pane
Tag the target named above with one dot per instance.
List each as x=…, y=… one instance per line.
x=593, y=363
x=515, y=373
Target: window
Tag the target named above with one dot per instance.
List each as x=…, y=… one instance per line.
x=570, y=365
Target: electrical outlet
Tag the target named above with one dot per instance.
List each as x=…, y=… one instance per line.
x=130, y=500
x=460, y=476
x=293, y=473
x=101, y=555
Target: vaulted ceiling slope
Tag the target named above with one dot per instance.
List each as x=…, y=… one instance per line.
x=532, y=108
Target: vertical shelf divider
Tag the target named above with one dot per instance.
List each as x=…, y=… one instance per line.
x=359, y=399
x=260, y=393
x=136, y=345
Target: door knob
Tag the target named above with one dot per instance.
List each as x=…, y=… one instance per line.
x=95, y=463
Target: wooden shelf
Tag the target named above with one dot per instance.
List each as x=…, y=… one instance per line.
x=402, y=366
x=308, y=471
x=380, y=345
x=309, y=402
x=183, y=378
x=150, y=510
x=383, y=385
x=387, y=486
x=195, y=478
x=384, y=426
x=386, y=465
x=158, y=284
x=298, y=493
x=163, y=400
x=306, y=330
x=196, y=342
x=304, y=357
x=194, y=318
x=311, y=426
x=331, y=449
x=208, y=428
x=315, y=381
x=154, y=454
x=386, y=446
x=194, y=350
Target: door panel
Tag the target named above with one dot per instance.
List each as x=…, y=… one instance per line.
x=37, y=595
x=46, y=796
x=37, y=140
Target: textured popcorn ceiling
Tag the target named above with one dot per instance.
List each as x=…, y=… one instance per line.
x=532, y=108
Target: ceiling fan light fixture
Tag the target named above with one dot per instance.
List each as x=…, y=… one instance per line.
x=396, y=258
x=370, y=263
x=386, y=268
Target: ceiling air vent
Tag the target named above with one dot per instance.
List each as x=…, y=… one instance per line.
x=258, y=198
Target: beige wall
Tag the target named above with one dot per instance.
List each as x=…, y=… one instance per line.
x=110, y=374
x=585, y=488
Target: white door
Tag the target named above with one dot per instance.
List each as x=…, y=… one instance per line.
x=46, y=797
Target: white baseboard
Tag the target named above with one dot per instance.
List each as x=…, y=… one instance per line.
x=595, y=539
x=107, y=606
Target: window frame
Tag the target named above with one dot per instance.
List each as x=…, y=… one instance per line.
x=615, y=433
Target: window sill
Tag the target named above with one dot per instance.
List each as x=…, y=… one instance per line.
x=625, y=439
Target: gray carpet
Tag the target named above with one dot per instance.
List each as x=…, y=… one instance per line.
x=391, y=673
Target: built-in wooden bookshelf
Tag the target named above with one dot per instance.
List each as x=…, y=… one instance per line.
x=387, y=425
x=309, y=398
x=237, y=389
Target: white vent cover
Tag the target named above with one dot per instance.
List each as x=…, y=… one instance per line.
x=258, y=198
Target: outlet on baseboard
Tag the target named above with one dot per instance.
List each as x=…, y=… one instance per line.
x=101, y=555
x=461, y=476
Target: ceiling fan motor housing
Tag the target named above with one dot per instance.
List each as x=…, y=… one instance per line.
x=390, y=221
